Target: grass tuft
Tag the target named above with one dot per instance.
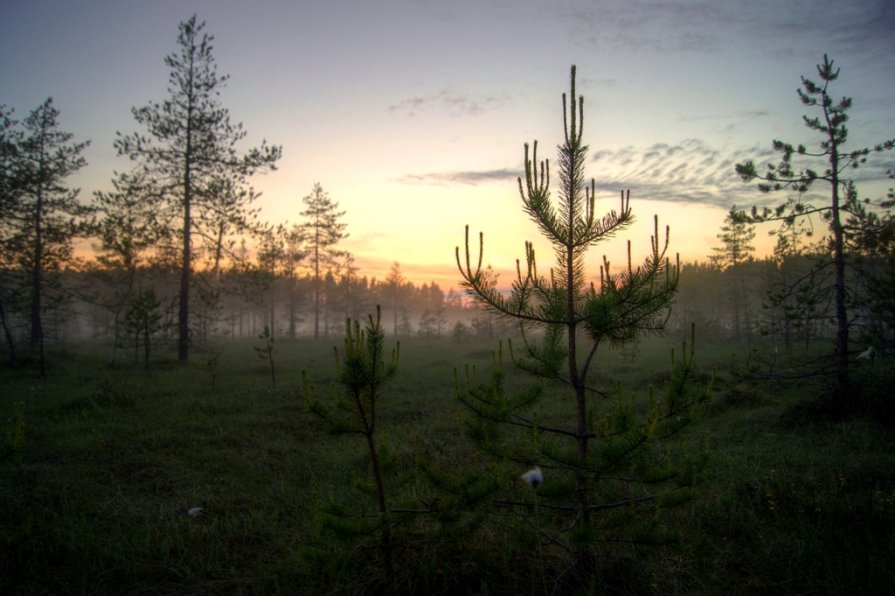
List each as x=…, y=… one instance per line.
x=789, y=497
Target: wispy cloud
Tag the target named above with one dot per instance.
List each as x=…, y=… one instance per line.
x=739, y=115
x=363, y=241
x=687, y=172
x=680, y=25
x=448, y=102
x=694, y=172
x=859, y=26
x=468, y=177
x=691, y=171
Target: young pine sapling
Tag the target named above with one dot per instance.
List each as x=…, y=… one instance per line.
x=592, y=459
x=362, y=372
x=266, y=351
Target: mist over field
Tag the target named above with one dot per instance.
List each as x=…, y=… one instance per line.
x=378, y=339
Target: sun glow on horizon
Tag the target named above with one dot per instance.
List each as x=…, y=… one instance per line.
x=414, y=146
x=421, y=226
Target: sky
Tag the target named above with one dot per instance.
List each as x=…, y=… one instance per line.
x=412, y=114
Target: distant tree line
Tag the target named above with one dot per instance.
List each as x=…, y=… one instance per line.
x=239, y=301
x=785, y=302
x=180, y=255
x=775, y=301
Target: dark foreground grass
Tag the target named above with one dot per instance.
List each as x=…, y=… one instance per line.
x=95, y=498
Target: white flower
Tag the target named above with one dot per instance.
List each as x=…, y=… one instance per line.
x=868, y=354
x=195, y=512
x=533, y=477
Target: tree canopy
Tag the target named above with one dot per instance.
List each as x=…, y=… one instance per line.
x=191, y=159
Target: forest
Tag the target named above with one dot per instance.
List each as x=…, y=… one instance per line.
x=208, y=403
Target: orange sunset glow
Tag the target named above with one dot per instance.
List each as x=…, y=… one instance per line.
x=412, y=115
x=444, y=297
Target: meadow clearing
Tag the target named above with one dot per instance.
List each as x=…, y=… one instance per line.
x=789, y=497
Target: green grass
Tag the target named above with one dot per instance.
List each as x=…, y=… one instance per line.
x=95, y=498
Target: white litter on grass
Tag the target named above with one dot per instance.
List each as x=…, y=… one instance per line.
x=868, y=354
x=533, y=477
x=194, y=512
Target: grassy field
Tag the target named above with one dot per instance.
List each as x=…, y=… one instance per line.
x=94, y=497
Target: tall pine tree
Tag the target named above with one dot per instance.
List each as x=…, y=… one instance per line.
x=736, y=236
x=322, y=231
x=190, y=151
x=393, y=282
x=10, y=135
x=830, y=165
x=41, y=215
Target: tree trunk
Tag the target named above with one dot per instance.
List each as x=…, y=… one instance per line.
x=116, y=337
x=317, y=285
x=183, y=327
x=380, y=498
x=326, y=315
x=395, y=310
x=291, y=306
x=147, y=344
x=839, y=283
x=273, y=314
x=37, y=332
x=7, y=334
x=183, y=322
